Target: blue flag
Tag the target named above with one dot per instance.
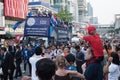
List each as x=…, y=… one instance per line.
x=17, y=24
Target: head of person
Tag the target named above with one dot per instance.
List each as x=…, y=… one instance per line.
x=54, y=47
x=115, y=57
x=61, y=61
x=70, y=59
x=91, y=29
x=73, y=44
x=77, y=48
x=118, y=52
x=3, y=50
x=45, y=69
x=66, y=50
x=38, y=50
x=17, y=47
x=89, y=54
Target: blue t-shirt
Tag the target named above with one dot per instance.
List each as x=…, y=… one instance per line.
x=73, y=68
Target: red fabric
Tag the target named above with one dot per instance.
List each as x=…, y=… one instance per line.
x=90, y=29
x=95, y=44
x=91, y=61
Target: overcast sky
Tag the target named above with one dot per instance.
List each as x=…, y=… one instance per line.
x=105, y=10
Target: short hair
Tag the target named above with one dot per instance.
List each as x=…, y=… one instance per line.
x=17, y=46
x=38, y=50
x=115, y=57
x=45, y=69
x=70, y=58
x=77, y=47
x=3, y=48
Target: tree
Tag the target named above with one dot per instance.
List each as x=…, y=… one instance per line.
x=65, y=15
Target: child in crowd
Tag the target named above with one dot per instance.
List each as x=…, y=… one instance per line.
x=95, y=43
x=71, y=60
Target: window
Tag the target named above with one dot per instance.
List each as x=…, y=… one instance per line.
x=80, y=12
x=1, y=9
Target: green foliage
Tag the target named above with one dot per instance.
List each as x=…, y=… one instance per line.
x=65, y=15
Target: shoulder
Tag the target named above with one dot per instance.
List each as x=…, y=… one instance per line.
x=113, y=66
x=94, y=66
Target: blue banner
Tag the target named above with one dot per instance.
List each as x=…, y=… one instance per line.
x=37, y=26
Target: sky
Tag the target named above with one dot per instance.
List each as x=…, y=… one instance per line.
x=105, y=10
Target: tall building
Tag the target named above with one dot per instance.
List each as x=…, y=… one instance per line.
x=59, y=4
x=2, y=20
x=73, y=8
x=90, y=18
x=117, y=24
x=89, y=10
x=82, y=10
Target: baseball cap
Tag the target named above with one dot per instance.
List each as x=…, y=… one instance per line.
x=90, y=29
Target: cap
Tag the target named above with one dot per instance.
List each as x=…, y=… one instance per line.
x=90, y=29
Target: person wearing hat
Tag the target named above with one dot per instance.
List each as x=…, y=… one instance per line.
x=95, y=43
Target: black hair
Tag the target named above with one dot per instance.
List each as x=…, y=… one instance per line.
x=77, y=47
x=38, y=50
x=118, y=47
x=70, y=58
x=115, y=57
x=45, y=69
x=3, y=48
x=17, y=47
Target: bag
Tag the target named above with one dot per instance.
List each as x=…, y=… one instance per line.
x=1, y=72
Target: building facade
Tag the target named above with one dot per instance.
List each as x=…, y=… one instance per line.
x=89, y=10
x=73, y=8
x=82, y=10
x=59, y=4
x=117, y=23
x=2, y=19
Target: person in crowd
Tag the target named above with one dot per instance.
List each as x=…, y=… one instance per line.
x=62, y=73
x=11, y=49
x=18, y=61
x=72, y=49
x=66, y=51
x=37, y=56
x=93, y=71
x=29, y=54
x=54, y=51
x=79, y=58
x=95, y=43
x=7, y=64
x=71, y=60
x=112, y=68
x=25, y=56
x=45, y=69
x=47, y=53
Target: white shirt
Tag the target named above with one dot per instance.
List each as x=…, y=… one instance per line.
x=114, y=72
x=33, y=61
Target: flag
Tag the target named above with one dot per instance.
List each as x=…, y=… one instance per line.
x=17, y=24
x=53, y=20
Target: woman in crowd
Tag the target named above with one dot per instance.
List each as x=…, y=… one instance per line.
x=61, y=73
x=112, y=68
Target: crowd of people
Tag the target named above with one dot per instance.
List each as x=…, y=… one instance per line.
x=90, y=59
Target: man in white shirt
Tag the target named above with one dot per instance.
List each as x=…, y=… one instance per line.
x=33, y=60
